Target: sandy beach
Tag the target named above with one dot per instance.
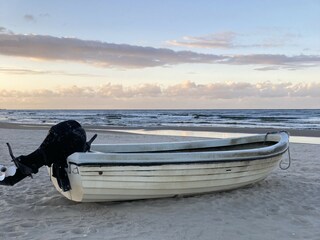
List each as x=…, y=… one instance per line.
x=284, y=206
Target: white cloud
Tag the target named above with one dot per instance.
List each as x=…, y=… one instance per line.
x=183, y=95
x=187, y=89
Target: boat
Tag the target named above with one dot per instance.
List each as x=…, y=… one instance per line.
x=120, y=172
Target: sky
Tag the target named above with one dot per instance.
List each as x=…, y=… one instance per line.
x=169, y=54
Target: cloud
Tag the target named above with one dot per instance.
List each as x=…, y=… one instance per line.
x=29, y=18
x=232, y=40
x=33, y=18
x=219, y=40
x=274, y=62
x=23, y=71
x=96, y=53
x=153, y=96
x=3, y=30
x=108, y=55
x=119, y=91
x=239, y=90
x=184, y=90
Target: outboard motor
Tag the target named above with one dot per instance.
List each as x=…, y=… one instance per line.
x=62, y=140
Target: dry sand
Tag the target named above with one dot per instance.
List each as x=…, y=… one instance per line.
x=284, y=206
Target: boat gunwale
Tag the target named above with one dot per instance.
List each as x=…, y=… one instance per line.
x=172, y=146
x=158, y=163
x=279, y=148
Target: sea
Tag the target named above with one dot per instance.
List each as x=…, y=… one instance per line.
x=245, y=118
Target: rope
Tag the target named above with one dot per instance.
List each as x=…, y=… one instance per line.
x=281, y=163
x=289, y=162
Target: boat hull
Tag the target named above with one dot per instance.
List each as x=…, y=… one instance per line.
x=119, y=183
x=165, y=175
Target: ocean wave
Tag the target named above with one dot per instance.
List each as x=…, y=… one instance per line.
x=286, y=119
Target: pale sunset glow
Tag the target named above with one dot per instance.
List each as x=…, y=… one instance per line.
x=159, y=54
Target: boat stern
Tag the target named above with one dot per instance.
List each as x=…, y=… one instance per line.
x=76, y=191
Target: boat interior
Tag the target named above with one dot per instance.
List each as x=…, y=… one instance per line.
x=243, y=146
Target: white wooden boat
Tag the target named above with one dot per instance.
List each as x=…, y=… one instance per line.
x=116, y=172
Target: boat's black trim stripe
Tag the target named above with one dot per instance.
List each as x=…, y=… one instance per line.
x=158, y=163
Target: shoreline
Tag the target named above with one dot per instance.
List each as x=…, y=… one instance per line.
x=293, y=132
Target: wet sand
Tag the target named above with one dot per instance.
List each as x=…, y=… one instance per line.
x=293, y=132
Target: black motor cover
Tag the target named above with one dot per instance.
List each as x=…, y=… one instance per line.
x=62, y=140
